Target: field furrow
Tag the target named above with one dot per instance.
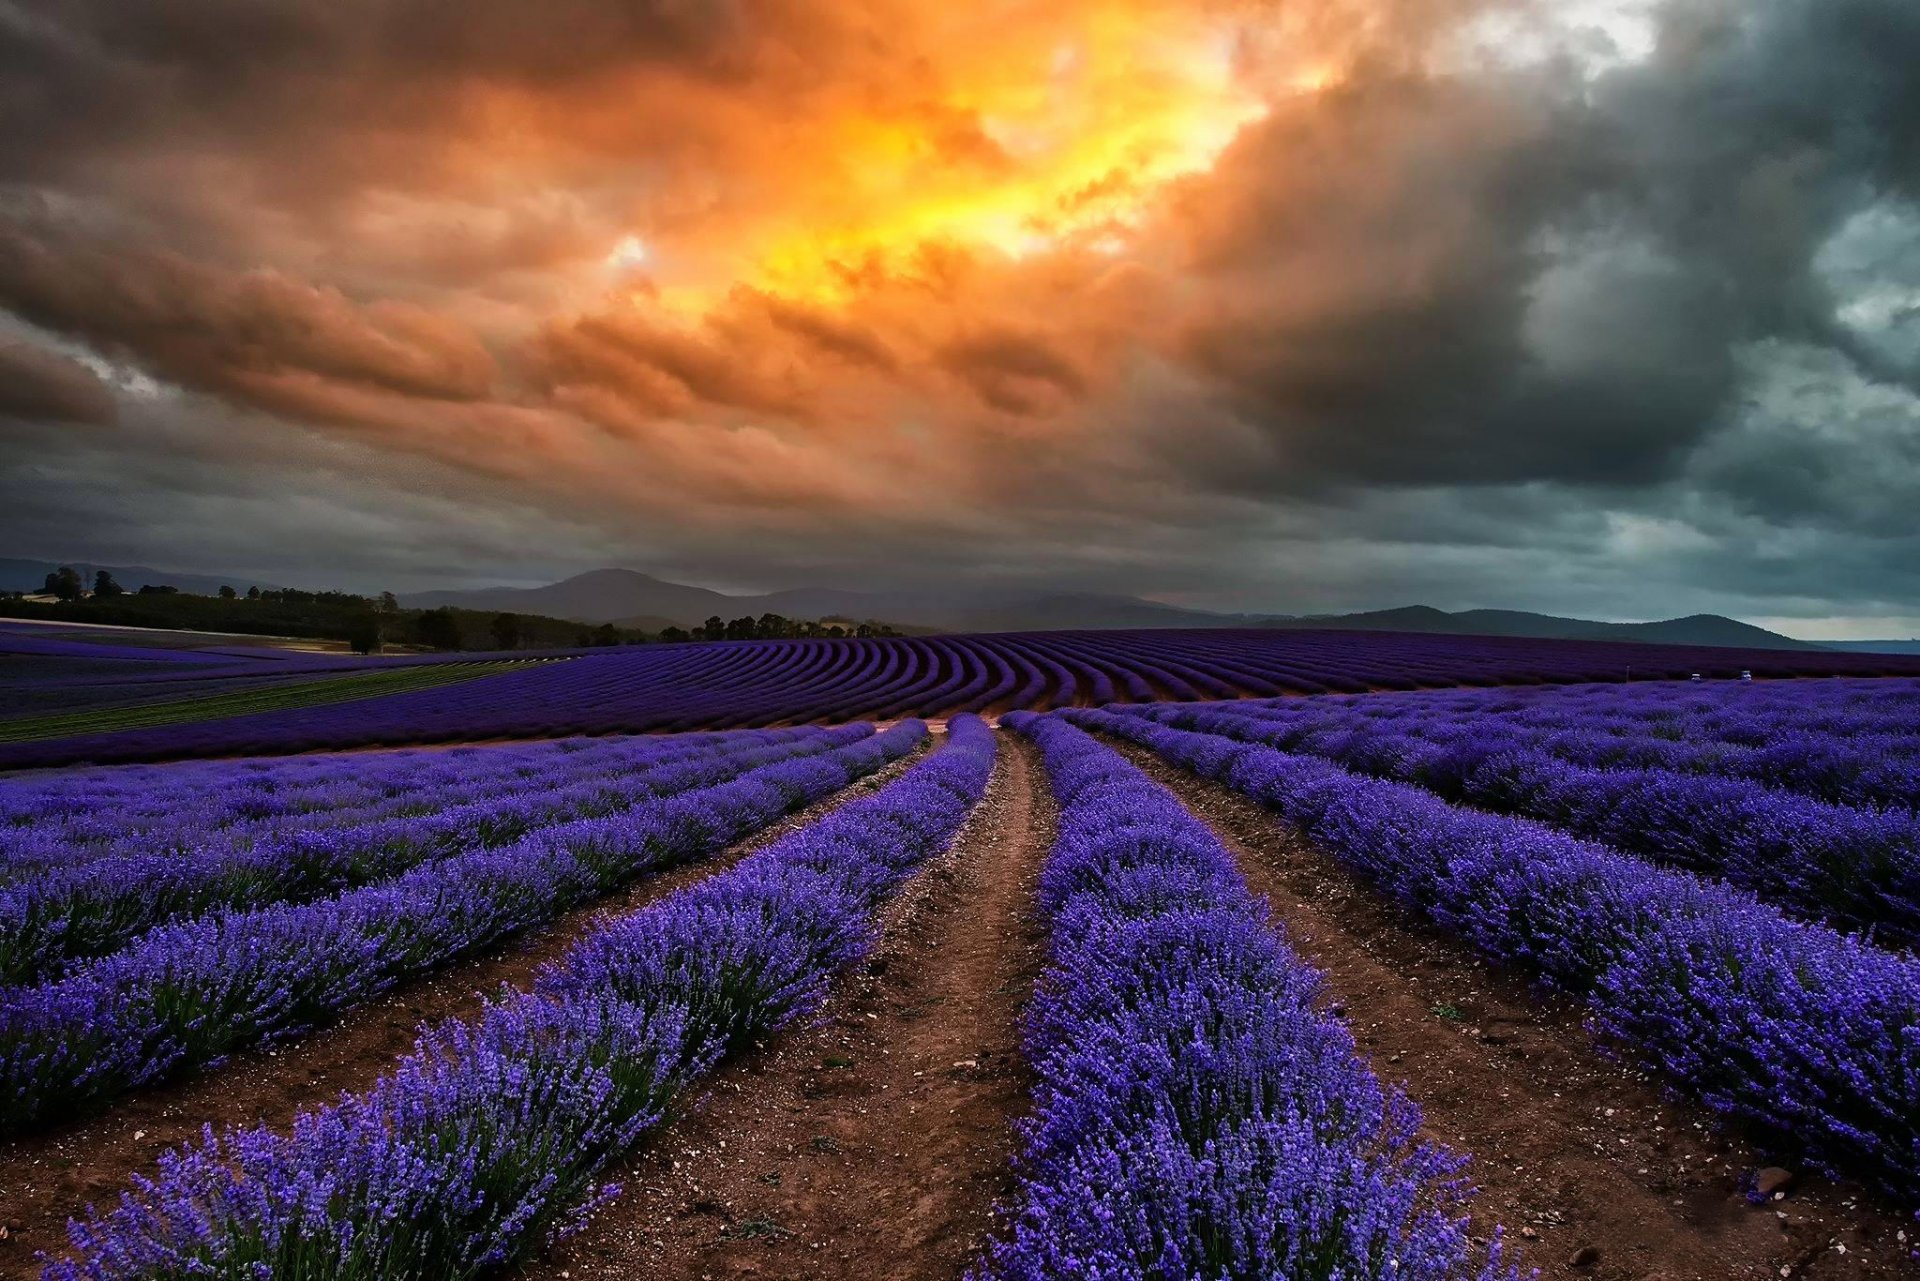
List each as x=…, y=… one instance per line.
x=1573, y=1151
x=872, y=1144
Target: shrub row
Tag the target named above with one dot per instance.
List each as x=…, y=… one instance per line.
x=1195, y=1114
x=191, y=993
x=496, y=1133
x=1855, y=868
x=65, y=915
x=1807, y=1035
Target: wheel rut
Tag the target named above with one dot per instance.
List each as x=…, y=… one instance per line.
x=873, y=1143
x=1572, y=1152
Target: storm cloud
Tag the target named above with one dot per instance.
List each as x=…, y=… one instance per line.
x=1609, y=307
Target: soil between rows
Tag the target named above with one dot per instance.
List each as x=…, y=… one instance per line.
x=873, y=1143
x=1572, y=1152
x=49, y=1177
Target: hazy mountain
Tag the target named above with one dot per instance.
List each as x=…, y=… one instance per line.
x=640, y=600
x=598, y=596
x=626, y=596
x=633, y=599
x=31, y=575
x=1696, y=629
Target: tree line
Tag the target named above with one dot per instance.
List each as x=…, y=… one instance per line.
x=369, y=623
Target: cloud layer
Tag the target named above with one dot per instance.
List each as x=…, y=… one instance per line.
x=1610, y=307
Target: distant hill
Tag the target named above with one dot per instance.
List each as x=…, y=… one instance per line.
x=599, y=596
x=1695, y=629
x=633, y=599
x=627, y=596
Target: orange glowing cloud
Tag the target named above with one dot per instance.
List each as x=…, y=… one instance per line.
x=780, y=253
x=1023, y=142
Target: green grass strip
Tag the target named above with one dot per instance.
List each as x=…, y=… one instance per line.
x=276, y=697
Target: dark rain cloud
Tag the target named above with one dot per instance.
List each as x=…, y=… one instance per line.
x=1647, y=339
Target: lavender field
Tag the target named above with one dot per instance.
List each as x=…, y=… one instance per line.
x=878, y=640
x=678, y=687
x=1030, y=956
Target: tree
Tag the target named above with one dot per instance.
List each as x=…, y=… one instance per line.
x=253, y=593
x=712, y=629
x=65, y=583
x=103, y=585
x=439, y=629
x=389, y=603
x=506, y=631
x=363, y=634
x=605, y=635
x=158, y=589
x=675, y=634
x=227, y=593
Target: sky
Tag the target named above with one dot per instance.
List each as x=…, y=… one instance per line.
x=1605, y=307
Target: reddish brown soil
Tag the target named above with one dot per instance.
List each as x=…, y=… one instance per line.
x=1572, y=1152
x=47, y=1178
x=873, y=1143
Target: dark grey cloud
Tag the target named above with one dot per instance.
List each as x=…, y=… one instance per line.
x=1628, y=342
x=41, y=385
x=1494, y=279
x=207, y=328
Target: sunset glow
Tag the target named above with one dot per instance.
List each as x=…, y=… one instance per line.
x=1250, y=293
x=1054, y=139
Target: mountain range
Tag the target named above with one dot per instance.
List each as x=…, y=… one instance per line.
x=633, y=599
x=629, y=598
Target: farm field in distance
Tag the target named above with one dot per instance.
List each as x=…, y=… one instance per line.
x=1004, y=956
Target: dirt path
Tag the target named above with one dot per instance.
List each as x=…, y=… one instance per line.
x=1572, y=1152
x=873, y=1143
x=47, y=1178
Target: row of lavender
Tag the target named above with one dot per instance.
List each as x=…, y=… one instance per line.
x=1856, y=867
x=706, y=686
x=496, y=1133
x=191, y=992
x=66, y=820
x=1808, y=1035
x=1847, y=741
x=74, y=912
x=1196, y=1115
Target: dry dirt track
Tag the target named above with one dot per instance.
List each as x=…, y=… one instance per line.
x=873, y=1142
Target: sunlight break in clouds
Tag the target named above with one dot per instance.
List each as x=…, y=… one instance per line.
x=1222, y=299
x=1026, y=141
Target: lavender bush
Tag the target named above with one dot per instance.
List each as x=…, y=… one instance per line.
x=73, y=913
x=189, y=994
x=493, y=1135
x=1856, y=868
x=1810, y=1037
x=752, y=683
x=1848, y=742
x=1195, y=1115
x=78, y=816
